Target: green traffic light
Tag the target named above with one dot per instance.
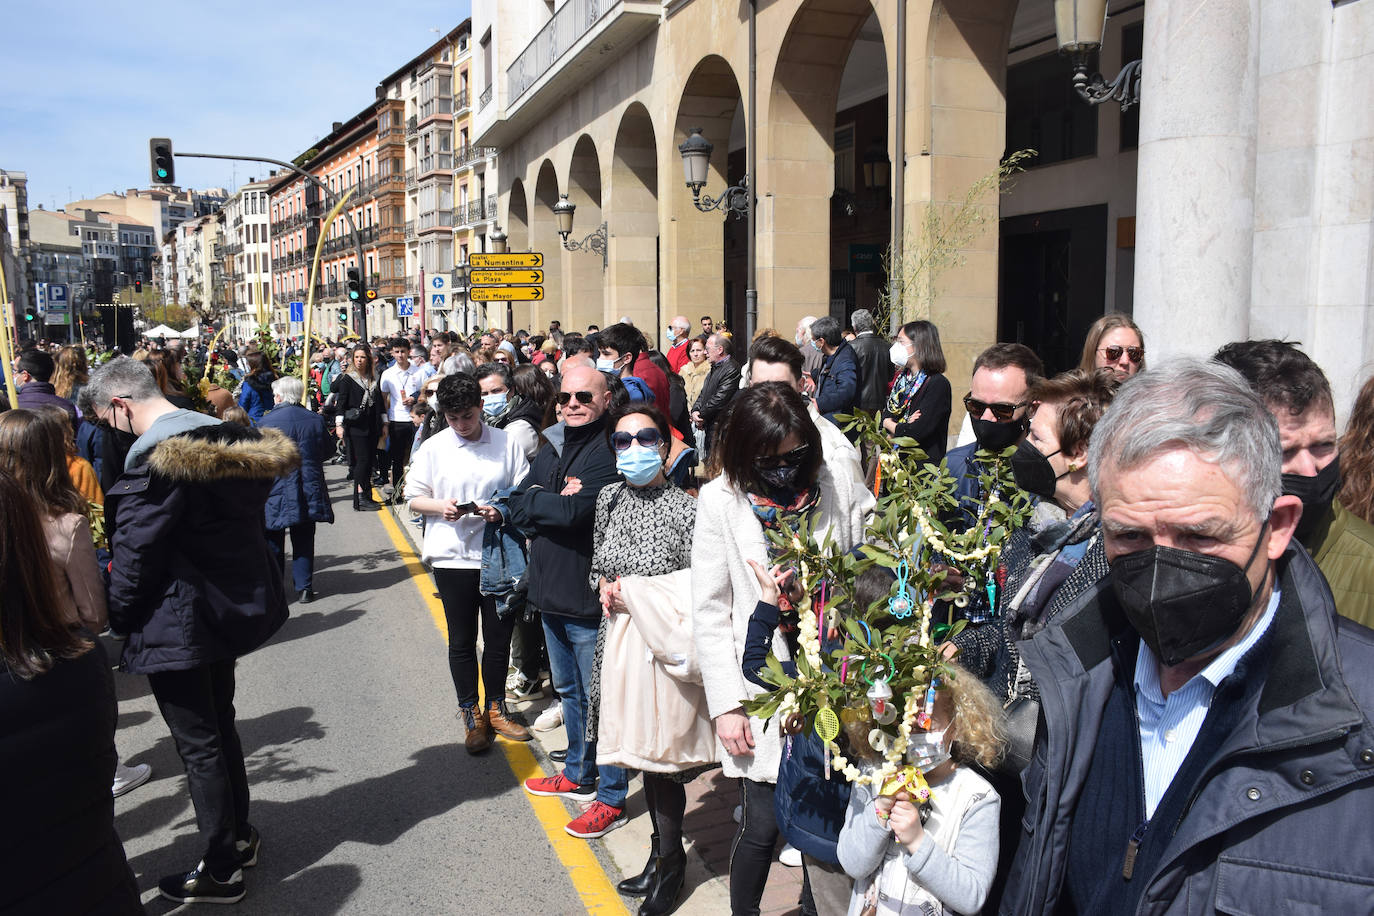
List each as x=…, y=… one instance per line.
x=161, y=173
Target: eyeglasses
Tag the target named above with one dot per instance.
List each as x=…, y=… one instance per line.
x=1001, y=412
x=583, y=397
x=1135, y=354
x=796, y=456
x=647, y=437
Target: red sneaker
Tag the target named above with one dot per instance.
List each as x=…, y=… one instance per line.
x=598, y=820
x=560, y=786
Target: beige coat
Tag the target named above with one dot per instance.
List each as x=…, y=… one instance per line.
x=73, y=553
x=693, y=377
x=653, y=712
x=725, y=592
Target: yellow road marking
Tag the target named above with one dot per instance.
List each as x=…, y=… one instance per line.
x=598, y=894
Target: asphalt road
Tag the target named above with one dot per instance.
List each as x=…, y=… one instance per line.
x=365, y=798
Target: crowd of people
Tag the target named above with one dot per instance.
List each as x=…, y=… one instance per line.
x=1163, y=702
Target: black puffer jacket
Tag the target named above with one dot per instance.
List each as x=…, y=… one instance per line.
x=192, y=581
x=560, y=527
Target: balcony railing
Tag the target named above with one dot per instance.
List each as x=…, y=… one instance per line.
x=460, y=101
x=573, y=20
x=491, y=207
x=467, y=155
x=411, y=180
x=412, y=125
x=484, y=99
x=410, y=230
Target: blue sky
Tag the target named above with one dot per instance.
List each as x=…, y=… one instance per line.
x=90, y=82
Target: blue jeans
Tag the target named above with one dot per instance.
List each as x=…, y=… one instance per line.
x=302, y=553
x=572, y=649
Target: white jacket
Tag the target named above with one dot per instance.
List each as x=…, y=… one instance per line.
x=725, y=591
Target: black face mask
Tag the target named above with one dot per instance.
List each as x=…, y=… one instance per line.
x=1033, y=471
x=1316, y=493
x=996, y=436
x=781, y=478
x=1183, y=603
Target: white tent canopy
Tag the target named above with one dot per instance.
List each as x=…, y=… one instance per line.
x=163, y=331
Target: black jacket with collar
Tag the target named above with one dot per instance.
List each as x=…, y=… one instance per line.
x=192, y=581
x=560, y=527
x=1278, y=821
x=875, y=370
x=720, y=387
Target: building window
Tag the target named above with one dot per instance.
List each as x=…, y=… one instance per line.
x=1046, y=115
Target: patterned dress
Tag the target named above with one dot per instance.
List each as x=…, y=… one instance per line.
x=639, y=531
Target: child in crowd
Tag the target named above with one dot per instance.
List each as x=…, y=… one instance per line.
x=939, y=856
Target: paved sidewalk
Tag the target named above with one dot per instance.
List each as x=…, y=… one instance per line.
x=709, y=827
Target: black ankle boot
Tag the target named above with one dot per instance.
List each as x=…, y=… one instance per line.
x=357, y=505
x=670, y=872
x=642, y=883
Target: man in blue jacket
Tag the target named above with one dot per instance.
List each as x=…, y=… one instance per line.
x=556, y=506
x=301, y=498
x=1205, y=743
x=193, y=586
x=837, y=379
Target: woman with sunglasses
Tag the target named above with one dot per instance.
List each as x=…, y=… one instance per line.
x=919, y=404
x=1114, y=342
x=641, y=717
x=769, y=453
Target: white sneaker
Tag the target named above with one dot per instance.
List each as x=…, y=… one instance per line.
x=126, y=779
x=550, y=718
x=521, y=690
x=790, y=856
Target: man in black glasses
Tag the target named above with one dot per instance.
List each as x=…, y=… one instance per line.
x=556, y=506
x=999, y=406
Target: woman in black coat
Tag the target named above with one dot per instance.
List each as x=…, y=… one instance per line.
x=57, y=721
x=360, y=421
x=918, y=406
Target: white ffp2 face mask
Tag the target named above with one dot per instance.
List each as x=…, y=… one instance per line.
x=898, y=354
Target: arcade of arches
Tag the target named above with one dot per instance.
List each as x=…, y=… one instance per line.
x=826, y=85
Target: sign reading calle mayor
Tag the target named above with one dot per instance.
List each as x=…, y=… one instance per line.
x=506, y=293
x=513, y=260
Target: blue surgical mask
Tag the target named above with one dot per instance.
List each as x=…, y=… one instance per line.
x=817, y=344
x=639, y=464
x=493, y=404
x=605, y=365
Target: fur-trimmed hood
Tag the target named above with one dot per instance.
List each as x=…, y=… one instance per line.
x=225, y=451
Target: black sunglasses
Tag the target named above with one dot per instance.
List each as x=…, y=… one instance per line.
x=796, y=456
x=1135, y=354
x=583, y=397
x=647, y=437
x=1001, y=412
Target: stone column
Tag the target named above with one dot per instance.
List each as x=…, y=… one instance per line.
x=1195, y=190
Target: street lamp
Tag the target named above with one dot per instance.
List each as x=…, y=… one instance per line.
x=876, y=169
x=498, y=241
x=1078, y=26
x=696, y=160
x=595, y=242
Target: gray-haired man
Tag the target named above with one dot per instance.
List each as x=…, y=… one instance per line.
x=1206, y=732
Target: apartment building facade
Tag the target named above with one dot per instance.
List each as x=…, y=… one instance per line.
x=246, y=256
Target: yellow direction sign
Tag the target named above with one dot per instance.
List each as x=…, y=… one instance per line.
x=506, y=293
x=500, y=277
x=510, y=261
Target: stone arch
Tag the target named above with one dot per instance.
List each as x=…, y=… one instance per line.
x=799, y=171
x=584, y=273
x=956, y=135
x=517, y=229
x=695, y=267
x=633, y=202
x=544, y=238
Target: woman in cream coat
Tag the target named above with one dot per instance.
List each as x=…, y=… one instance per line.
x=771, y=471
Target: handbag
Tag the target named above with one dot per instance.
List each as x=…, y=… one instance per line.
x=1022, y=721
x=353, y=414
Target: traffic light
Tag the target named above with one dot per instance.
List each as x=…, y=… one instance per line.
x=370, y=294
x=30, y=313
x=138, y=286
x=160, y=152
x=355, y=285
x=343, y=316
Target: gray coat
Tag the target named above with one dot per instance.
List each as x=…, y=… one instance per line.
x=1281, y=820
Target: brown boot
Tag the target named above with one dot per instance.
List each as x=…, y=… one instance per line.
x=503, y=725
x=478, y=729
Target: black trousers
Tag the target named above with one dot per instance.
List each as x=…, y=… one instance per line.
x=198, y=706
x=362, y=448
x=464, y=607
x=400, y=437
x=752, y=854
x=302, y=553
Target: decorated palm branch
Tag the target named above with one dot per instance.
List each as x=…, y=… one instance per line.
x=870, y=695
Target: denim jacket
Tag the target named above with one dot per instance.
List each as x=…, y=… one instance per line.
x=503, y=551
